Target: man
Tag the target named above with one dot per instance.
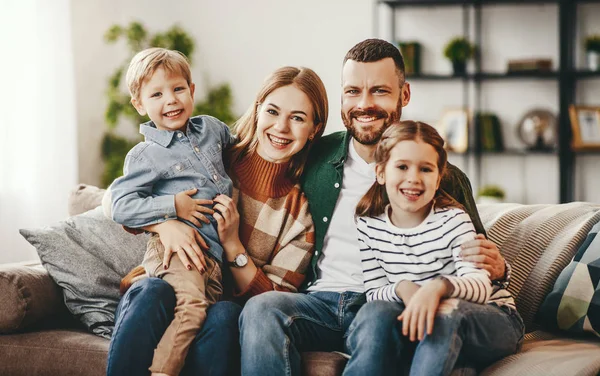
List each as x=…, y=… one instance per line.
x=276, y=326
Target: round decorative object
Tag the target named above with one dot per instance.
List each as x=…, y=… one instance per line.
x=537, y=129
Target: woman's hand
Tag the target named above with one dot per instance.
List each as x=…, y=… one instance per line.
x=228, y=222
x=419, y=314
x=177, y=237
x=485, y=255
x=191, y=209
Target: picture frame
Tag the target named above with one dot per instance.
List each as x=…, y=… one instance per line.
x=585, y=123
x=454, y=129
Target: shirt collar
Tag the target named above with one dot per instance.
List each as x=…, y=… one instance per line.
x=159, y=136
x=340, y=156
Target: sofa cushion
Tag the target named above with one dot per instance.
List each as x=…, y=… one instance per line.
x=538, y=241
x=83, y=198
x=574, y=302
x=27, y=295
x=545, y=354
x=87, y=255
x=53, y=352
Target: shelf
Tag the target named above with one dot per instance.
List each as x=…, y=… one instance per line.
x=488, y=76
x=510, y=152
x=429, y=3
x=586, y=74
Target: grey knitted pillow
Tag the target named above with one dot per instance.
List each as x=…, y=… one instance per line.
x=87, y=255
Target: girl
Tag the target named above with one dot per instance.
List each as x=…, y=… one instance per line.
x=410, y=233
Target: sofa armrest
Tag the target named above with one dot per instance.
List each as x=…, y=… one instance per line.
x=28, y=296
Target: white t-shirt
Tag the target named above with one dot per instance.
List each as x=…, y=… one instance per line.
x=339, y=268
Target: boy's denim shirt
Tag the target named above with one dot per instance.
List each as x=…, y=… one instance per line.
x=167, y=163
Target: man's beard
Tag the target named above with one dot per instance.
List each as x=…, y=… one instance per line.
x=372, y=136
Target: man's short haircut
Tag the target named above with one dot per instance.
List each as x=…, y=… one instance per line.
x=146, y=62
x=372, y=50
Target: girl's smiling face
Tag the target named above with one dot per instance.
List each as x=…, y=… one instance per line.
x=284, y=123
x=411, y=178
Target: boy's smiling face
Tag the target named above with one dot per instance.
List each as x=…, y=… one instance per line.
x=167, y=99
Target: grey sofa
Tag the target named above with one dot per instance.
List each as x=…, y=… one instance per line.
x=40, y=337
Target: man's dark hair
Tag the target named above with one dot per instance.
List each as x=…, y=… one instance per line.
x=372, y=50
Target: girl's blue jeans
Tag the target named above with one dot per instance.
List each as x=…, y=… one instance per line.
x=464, y=333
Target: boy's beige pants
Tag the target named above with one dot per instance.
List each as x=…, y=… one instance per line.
x=194, y=293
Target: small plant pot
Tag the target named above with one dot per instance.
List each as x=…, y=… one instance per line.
x=489, y=200
x=593, y=61
x=459, y=68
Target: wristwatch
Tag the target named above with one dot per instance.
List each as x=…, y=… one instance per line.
x=239, y=261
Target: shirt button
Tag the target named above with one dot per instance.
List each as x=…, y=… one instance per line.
x=324, y=219
x=316, y=253
x=337, y=185
x=215, y=177
x=166, y=216
x=179, y=135
x=197, y=149
x=219, y=146
x=178, y=167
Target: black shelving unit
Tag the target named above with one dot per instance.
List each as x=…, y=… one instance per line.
x=566, y=75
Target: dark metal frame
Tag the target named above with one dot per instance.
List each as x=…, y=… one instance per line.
x=567, y=75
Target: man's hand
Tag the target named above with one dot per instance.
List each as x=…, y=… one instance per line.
x=191, y=209
x=485, y=255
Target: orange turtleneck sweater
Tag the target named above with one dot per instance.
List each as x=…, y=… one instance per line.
x=275, y=225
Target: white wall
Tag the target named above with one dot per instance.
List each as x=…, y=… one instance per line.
x=38, y=157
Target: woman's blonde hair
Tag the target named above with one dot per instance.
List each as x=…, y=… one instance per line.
x=310, y=84
x=373, y=203
x=146, y=62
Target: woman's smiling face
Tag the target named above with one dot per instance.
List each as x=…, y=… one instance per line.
x=285, y=121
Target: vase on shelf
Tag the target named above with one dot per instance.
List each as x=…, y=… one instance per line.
x=459, y=68
x=593, y=61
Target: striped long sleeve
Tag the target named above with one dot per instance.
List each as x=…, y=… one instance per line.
x=391, y=255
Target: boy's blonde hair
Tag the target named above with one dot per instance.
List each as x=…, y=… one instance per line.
x=146, y=62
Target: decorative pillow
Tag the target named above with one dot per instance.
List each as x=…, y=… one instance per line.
x=574, y=303
x=87, y=255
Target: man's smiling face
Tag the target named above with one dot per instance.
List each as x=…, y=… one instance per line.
x=372, y=98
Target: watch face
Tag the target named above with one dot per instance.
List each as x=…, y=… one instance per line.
x=241, y=260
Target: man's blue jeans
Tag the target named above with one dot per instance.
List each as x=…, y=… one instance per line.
x=479, y=333
x=143, y=315
x=276, y=326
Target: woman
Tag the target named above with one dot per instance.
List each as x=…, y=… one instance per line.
x=265, y=229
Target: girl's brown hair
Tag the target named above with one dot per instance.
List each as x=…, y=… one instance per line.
x=373, y=203
x=310, y=84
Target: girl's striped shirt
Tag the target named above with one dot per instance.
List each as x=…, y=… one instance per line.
x=391, y=255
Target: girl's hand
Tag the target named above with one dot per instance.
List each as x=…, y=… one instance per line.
x=177, y=237
x=419, y=314
x=228, y=221
x=191, y=209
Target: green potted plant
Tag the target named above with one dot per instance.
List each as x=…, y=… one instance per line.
x=490, y=194
x=458, y=51
x=218, y=101
x=592, y=50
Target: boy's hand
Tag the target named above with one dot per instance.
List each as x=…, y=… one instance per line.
x=178, y=237
x=419, y=314
x=192, y=209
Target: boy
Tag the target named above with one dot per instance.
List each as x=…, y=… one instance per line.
x=179, y=154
